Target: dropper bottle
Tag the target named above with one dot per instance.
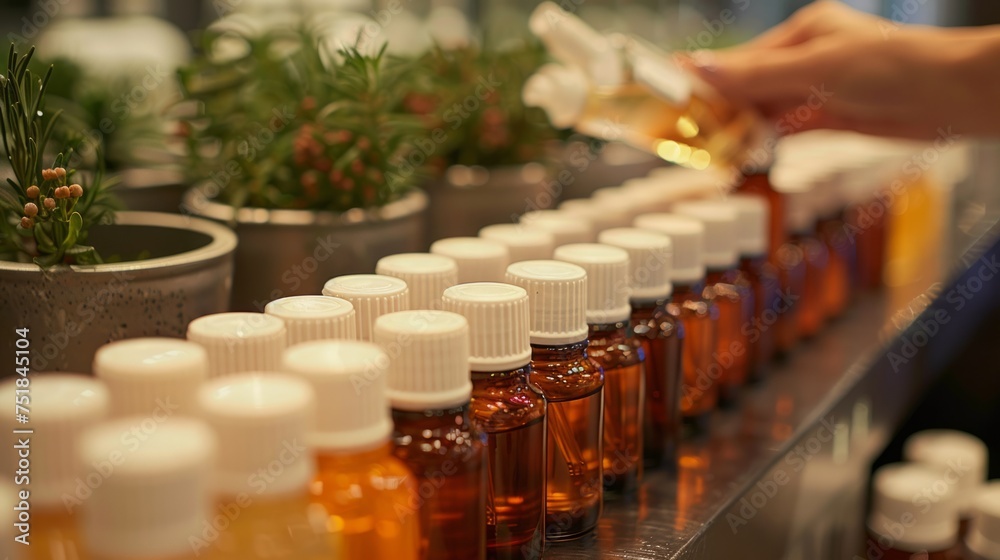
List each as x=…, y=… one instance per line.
x=361, y=490
x=573, y=386
x=564, y=227
x=263, y=469
x=239, y=342
x=372, y=296
x=427, y=276
x=524, y=244
x=478, y=260
x=650, y=259
x=620, y=355
x=314, y=318
x=509, y=411
x=60, y=407
x=157, y=377
x=430, y=390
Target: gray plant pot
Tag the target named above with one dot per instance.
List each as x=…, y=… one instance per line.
x=151, y=190
x=592, y=165
x=294, y=252
x=467, y=199
x=70, y=311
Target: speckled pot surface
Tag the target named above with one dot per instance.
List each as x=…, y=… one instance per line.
x=73, y=310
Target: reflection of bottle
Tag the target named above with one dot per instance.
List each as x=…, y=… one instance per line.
x=509, y=411
x=619, y=88
x=949, y=447
x=573, y=386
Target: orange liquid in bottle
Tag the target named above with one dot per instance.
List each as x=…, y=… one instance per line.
x=54, y=535
x=731, y=294
x=867, y=226
x=766, y=289
x=812, y=308
x=662, y=336
x=840, y=267
x=272, y=527
x=758, y=184
x=700, y=318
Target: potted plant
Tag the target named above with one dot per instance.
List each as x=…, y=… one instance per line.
x=304, y=150
x=74, y=274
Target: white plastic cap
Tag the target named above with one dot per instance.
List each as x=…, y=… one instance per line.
x=720, y=248
x=145, y=375
x=524, y=244
x=315, y=318
x=565, y=228
x=558, y=90
x=479, y=260
x=349, y=379
x=686, y=236
x=557, y=299
x=159, y=493
x=569, y=40
x=238, y=342
x=896, y=500
x=427, y=276
x=428, y=359
x=650, y=258
x=800, y=211
x=752, y=223
x=372, y=296
x=62, y=406
x=607, y=270
x=608, y=213
x=983, y=538
x=498, y=324
x=965, y=454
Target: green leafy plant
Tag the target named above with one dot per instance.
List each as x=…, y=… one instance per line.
x=46, y=215
x=289, y=123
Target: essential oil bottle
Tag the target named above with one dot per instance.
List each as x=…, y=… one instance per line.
x=315, y=318
x=157, y=377
x=946, y=448
x=62, y=406
x=904, y=523
x=730, y=290
x=573, y=386
x=509, y=411
x=800, y=216
x=602, y=215
x=429, y=390
x=427, y=276
x=158, y=500
x=478, y=260
x=840, y=271
x=564, y=227
x=661, y=334
x=372, y=295
x=524, y=244
x=698, y=315
x=620, y=355
x=263, y=469
x=757, y=184
x=366, y=497
x=982, y=542
x=239, y=342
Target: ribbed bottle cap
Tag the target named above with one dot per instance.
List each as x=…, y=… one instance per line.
x=372, y=295
x=479, y=260
x=498, y=324
x=965, y=454
x=160, y=491
x=720, y=245
x=315, y=318
x=238, y=342
x=752, y=223
x=427, y=275
x=524, y=244
x=152, y=375
x=349, y=379
x=259, y=419
x=650, y=257
x=606, y=214
x=62, y=406
x=565, y=228
x=557, y=300
x=428, y=358
x=934, y=524
x=560, y=91
x=686, y=237
x=607, y=270
x=983, y=538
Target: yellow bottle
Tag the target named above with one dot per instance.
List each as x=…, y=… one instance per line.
x=362, y=492
x=263, y=471
x=42, y=461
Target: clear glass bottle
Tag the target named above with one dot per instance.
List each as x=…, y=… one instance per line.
x=372, y=295
x=240, y=342
x=367, y=497
x=315, y=318
x=573, y=386
x=429, y=390
x=509, y=411
x=427, y=276
x=59, y=408
x=661, y=334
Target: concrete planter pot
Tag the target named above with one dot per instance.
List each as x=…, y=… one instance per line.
x=70, y=311
x=294, y=252
x=593, y=165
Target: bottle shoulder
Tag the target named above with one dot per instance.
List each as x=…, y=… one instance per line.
x=566, y=378
x=615, y=349
x=497, y=408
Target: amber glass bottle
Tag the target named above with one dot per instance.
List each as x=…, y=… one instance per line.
x=509, y=411
x=573, y=386
x=758, y=184
x=650, y=258
x=841, y=251
x=800, y=208
x=430, y=390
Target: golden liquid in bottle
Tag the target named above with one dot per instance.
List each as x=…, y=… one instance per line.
x=839, y=271
x=700, y=318
x=272, y=528
x=914, y=238
x=662, y=337
x=54, y=536
x=791, y=265
x=731, y=293
x=371, y=504
x=812, y=307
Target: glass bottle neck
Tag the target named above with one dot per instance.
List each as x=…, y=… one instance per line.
x=331, y=459
x=605, y=329
x=501, y=378
x=561, y=352
x=430, y=414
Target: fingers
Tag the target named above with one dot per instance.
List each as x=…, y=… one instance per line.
x=759, y=80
